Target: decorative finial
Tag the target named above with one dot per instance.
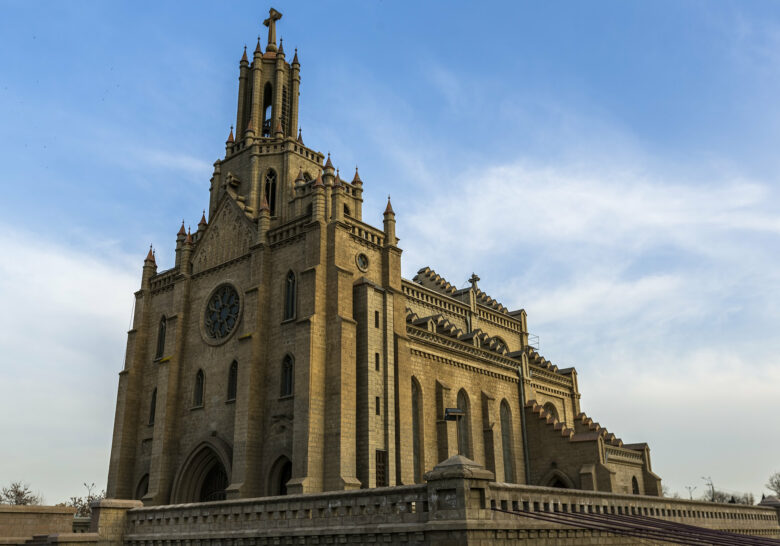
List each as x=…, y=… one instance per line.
x=300, y=138
x=295, y=57
x=264, y=205
x=258, y=49
x=281, y=47
x=328, y=164
x=243, y=58
x=150, y=255
x=389, y=208
x=356, y=179
x=473, y=280
x=230, y=137
x=202, y=220
x=181, y=229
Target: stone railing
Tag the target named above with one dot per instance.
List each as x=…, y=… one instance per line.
x=499, y=319
x=623, y=455
x=460, y=504
x=367, y=234
x=727, y=517
x=164, y=279
x=426, y=296
x=288, y=231
x=541, y=373
x=312, y=514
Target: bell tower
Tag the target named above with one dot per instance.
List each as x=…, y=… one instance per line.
x=266, y=165
x=268, y=89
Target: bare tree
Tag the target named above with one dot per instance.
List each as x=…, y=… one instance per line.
x=83, y=504
x=19, y=494
x=716, y=495
x=774, y=483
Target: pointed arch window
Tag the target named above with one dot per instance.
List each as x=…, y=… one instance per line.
x=267, y=108
x=232, y=381
x=289, y=296
x=287, y=376
x=507, y=442
x=197, y=397
x=270, y=190
x=153, y=406
x=634, y=486
x=417, y=454
x=464, y=425
x=551, y=410
x=160, y=338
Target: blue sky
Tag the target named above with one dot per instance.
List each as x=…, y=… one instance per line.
x=611, y=167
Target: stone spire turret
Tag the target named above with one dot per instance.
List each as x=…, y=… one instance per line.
x=149, y=269
x=389, y=223
x=180, y=236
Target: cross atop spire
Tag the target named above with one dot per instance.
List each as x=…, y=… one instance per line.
x=273, y=17
x=473, y=280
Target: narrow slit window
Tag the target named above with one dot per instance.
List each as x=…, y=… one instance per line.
x=160, y=338
x=232, y=381
x=197, y=398
x=153, y=407
x=287, y=376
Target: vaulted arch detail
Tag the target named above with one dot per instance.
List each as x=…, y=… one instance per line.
x=205, y=473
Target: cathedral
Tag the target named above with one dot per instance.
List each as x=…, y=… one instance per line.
x=284, y=353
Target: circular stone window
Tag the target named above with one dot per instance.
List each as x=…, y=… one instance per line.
x=362, y=262
x=222, y=313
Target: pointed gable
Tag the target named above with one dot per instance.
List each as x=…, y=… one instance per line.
x=229, y=235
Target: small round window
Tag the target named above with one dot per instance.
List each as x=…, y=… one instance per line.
x=362, y=262
x=221, y=312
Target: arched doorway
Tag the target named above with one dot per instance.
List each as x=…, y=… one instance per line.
x=205, y=474
x=556, y=478
x=281, y=472
x=214, y=484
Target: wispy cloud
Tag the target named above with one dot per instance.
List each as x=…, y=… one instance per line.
x=62, y=341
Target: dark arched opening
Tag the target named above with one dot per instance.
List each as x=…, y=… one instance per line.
x=289, y=296
x=197, y=395
x=281, y=472
x=267, y=108
x=214, y=484
x=232, y=381
x=204, y=475
x=507, y=442
x=464, y=425
x=270, y=190
x=557, y=482
x=634, y=486
x=287, y=376
x=161, y=338
x=143, y=487
x=417, y=438
x=551, y=410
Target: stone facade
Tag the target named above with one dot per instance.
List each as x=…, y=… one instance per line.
x=284, y=352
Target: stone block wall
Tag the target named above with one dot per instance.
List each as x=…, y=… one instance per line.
x=21, y=522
